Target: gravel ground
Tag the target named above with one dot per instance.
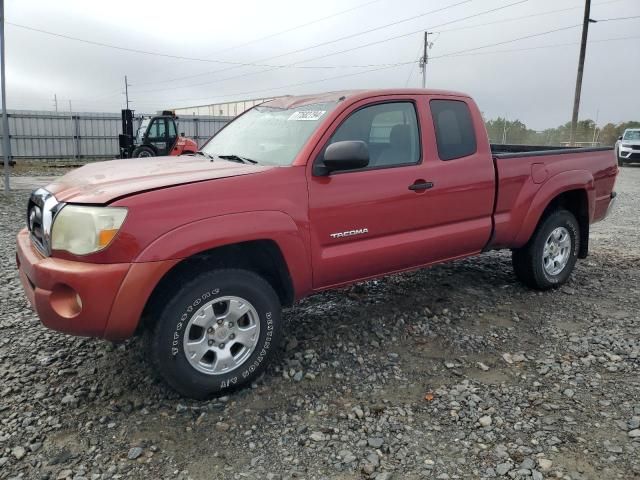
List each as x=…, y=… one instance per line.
x=455, y=372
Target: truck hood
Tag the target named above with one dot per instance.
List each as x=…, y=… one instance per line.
x=103, y=182
x=629, y=142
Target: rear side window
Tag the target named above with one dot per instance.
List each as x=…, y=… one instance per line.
x=455, y=135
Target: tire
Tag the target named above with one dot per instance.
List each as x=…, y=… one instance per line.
x=621, y=162
x=529, y=261
x=143, y=152
x=203, y=301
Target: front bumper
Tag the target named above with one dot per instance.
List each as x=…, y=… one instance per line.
x=630, y=154
x=86, y=299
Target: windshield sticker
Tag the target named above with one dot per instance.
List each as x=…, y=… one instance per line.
x=312, y=115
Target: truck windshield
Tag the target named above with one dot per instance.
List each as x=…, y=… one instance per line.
x=141, y=129
x=268, y=135
x=632, y=135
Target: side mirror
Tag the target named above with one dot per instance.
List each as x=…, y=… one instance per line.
x=182, y=134
x=620, y=137
x=347, y=155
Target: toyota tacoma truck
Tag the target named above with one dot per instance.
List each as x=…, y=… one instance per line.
x=298, y=195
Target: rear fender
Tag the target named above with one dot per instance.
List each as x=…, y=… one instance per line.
x=554, y=186
x=196, y=237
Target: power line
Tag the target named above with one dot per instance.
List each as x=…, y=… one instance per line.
x=377, y=42
x=540, y=47
x=378, y=69
x=297, y=27
x=523, y=17
x=618, y=18
x=142, y=52
x=322, y=44
x=400, y=64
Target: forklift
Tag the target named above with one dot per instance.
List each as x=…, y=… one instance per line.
x=156, y=136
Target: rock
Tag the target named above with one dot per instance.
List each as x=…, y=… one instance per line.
x=375, y=442
x=483, y=367
x=222, y=426
x=485, y=421
x=69, y=400
x=64, y=474
x=634, y=433
x=18, y=452
x=298, y=376
x=545, y=464
x=527, y=464
x=503, y=468
x=134, y=453
x=317, y=436
x=384, y=476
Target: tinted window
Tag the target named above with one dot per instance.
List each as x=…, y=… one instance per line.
x=390, y=130
x=157, y=128
x=172, y=128
x=455, y=134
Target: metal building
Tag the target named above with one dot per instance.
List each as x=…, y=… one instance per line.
x=227, y=109
x=45, y=135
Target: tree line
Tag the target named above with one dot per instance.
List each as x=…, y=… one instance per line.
x=501, y=130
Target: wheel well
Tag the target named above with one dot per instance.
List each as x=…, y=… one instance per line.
x=260, y=256
x=577, y=202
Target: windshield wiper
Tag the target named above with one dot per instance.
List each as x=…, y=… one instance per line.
x=204, y=154
x=236, y=158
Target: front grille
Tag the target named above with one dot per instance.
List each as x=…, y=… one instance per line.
x=635, y=147
x=41, y=210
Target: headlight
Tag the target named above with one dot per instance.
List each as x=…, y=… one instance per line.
x=625, y=145
x=81, y=230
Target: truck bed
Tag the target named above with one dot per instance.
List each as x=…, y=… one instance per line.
x=516, y=151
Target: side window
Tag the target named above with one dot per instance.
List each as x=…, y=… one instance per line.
x=390, y=130
x=455, y=134
x=157, y=128
x=172, y=128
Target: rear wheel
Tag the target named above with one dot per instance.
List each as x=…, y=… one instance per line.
x=142, y=152
x=549, y=257
x=216, y=333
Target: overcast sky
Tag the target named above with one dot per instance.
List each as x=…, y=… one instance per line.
x=531, y=79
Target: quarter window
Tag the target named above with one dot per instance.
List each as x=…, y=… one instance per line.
x=455, y=135
x=390, y=130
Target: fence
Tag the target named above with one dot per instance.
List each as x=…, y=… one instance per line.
x=66, y=136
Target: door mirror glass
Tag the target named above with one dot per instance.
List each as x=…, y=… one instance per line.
x=346, y=155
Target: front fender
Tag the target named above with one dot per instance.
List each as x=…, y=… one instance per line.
x=202, y=235
x=554, y=186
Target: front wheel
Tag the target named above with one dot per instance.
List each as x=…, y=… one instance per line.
x=549, y=257
x=143, y=152
x=217, y=333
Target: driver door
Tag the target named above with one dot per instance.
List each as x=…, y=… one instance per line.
x=158, y=137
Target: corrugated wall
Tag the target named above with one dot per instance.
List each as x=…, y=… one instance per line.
x=67, y=136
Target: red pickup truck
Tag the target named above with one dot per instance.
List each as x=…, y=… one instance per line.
x=295, y=196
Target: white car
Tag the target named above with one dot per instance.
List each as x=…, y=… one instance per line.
x=629, y=146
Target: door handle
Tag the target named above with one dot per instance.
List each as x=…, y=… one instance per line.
x=421, y=185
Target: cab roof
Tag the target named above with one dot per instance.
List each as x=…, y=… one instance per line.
x=294, y=101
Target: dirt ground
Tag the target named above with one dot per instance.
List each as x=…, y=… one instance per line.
x=454, y=372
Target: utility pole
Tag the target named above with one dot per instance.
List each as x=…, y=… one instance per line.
x=425, y=59
x=6, y=142
x=504, y=130
x=55, y=102
x=126, y=90
x=583, y=51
